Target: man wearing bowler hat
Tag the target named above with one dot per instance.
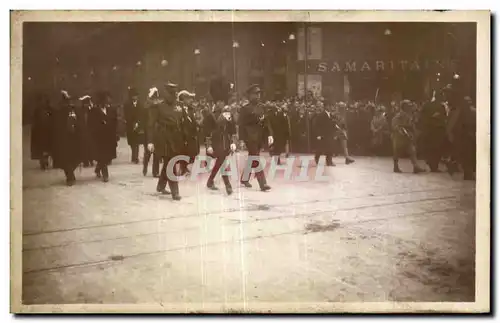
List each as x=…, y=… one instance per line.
x=165, y=136
x=132, y=111
x=252, y=128
x=190, y=127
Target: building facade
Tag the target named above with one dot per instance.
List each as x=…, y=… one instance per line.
x=353, y=61
x=340, y=61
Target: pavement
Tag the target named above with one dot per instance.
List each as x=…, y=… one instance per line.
x=364, y=235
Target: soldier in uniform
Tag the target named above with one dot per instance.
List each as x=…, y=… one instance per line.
x=220, y=130
x=153, y=98
x=324, y=130
x=86, y=107
x=166, y=137
x=190, y=127
x=341, y=127
x=253, y=126
x=67, y=137
x=379, y=128
x=280, y=124
x=403, y=135
x=41, y=136
x=132, y=109
x=433, y=125
x=103, y=121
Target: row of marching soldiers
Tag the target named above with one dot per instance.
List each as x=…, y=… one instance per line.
x=446, y=125
x=80, y=131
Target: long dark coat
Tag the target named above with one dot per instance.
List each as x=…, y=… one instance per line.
x=67, y=142
x=253, y=126
x=433, y=127
x=103, y=127
x=324, y=125
x=87, y=140
x=165, y=129
x=461, y=131
x=132, y=117
x=191, y=133
x=219, y=133
x=280, y=123
x=41, y=132
x=299, y=132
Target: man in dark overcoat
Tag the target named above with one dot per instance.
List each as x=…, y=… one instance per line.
x=433, y=126
x=132, y=109
x=190, y=127
x=103, y=123
x=87, y=155
x=324, y=131
x=299, y=128
x=67, y=137
x=280, y=123
x=41, y=132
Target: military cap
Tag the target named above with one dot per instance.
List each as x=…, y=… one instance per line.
x=85, y=98
x=171, y=86
x=254, y=88
x=65, y=94
x=406, y=104
x=185, y=93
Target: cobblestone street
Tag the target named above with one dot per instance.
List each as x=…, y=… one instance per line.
x=365, y=235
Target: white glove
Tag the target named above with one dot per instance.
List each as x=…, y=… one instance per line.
x=318, y=137
x=233, y=147
x=210, y=150
x=152, y=92
x=270, y=140
x=151, y=147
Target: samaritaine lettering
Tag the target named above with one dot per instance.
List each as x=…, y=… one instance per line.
x=383, y=65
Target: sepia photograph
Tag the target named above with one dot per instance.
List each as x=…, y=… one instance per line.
x=250, y=161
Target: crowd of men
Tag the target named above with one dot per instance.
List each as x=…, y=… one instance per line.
x=168, y=122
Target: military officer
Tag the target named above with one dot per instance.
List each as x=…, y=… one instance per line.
x=165, y=136
x=341, y=126
x=403, y=135
x=253, y=126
